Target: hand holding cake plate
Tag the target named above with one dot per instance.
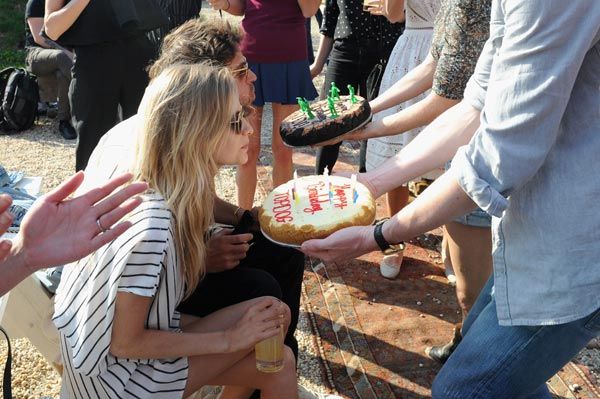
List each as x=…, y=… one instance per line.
x=327, y=121
x=315, y=207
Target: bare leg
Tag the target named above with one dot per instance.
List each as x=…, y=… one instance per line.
x=246, y=378
x=396, y=200
x=448, y=269
x=471, y=256
x=202, y=369
x=246, y=173
x=470, y=250
x=231, y=391
x=282, y=155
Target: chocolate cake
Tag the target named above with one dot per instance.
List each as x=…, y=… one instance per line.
x=299, y=129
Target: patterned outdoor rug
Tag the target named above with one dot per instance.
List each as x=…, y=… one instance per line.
x=371, y=332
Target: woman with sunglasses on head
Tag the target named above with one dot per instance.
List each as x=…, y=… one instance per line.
x=120, y=333
x=274, y=44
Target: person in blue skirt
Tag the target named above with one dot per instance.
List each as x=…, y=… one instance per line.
x=275, y=46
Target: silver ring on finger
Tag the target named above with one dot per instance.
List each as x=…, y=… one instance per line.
x=102, y=229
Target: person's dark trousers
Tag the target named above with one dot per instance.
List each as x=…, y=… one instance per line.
x=350, y=62
x=106, y=76
x=267, y=270
x=44, y=61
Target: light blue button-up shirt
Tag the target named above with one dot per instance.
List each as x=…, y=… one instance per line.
x=534, y=163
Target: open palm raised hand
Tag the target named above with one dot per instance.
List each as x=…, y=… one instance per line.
x=57, y=230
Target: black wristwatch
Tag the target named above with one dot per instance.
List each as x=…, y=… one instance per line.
x=384, y=245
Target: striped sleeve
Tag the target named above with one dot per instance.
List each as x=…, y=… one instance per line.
x=142, y=269
x=85, y=301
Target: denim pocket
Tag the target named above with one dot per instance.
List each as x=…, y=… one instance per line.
x=593, y=323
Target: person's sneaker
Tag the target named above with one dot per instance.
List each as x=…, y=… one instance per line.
x=52, y=110
x=304, y=393
x=42, y=108
x=66, y=130
x=390, y=265
x=448, y=269
x=441, y=353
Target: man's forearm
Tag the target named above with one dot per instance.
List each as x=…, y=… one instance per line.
x=420, y=114
x=443, y=201
x=433, y=147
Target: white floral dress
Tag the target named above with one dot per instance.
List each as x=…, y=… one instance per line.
x=410, y=50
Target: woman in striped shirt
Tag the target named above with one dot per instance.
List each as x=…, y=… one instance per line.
x=121, y=336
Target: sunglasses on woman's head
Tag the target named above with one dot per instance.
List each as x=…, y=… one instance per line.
x=237, y=122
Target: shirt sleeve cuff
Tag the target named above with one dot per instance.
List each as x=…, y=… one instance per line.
x=474, y=93
x=480, y=191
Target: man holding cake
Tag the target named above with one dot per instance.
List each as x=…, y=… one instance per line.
x=539, y=128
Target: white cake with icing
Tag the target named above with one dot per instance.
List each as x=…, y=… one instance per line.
x=313, y=212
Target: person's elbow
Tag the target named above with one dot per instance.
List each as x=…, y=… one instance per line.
x=51, y=30
x=309, y=12
x=309, y=8
x=124, y=346
x=396, y=17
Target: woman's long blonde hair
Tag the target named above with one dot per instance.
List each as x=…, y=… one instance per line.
x=186, y=112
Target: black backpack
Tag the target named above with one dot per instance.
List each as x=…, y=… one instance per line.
x=19, y=97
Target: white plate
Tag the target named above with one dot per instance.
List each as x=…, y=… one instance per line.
x=289, y=245
x=296, y=246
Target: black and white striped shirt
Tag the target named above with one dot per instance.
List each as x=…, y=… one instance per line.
x=142, y=261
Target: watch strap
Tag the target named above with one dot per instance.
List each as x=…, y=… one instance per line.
x=379, y=238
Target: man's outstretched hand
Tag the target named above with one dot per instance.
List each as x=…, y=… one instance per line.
x=344, y=244
x=57, y=230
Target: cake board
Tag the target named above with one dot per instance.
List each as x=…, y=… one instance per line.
x=283, y=244
x=342, y=137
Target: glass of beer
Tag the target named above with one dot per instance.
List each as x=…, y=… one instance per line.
x=269, y=353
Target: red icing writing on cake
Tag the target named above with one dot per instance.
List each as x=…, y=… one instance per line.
x=315, y=199
x=340, y=193
x=282, y=207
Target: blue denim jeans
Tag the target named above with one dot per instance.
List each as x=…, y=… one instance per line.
x=494, y=361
